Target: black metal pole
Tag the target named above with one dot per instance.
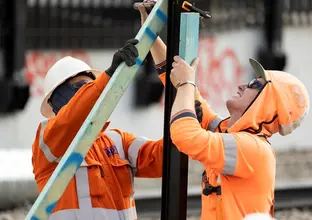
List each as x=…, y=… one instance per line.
x=273, y=23
x=273, y=56
x=21, y=89
x=14, y=90
x=175, y=164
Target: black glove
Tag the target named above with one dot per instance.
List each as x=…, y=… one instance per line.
x=128, y=53
x=199, y=111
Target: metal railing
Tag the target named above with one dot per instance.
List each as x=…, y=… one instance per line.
x=75, y=24
x=108, y=23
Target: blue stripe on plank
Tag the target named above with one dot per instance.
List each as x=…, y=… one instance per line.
x=138, y=61
x=162, y=16
x=50, y=207
x=34, y=218
x=74, y=158
x=150, y=34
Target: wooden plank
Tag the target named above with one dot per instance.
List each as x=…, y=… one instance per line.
x=97, y=117
x=189, y=36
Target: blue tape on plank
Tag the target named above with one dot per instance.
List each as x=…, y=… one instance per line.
x=150, y=34
x=138, y=61
x=162, y=16
x=75, y=159
x=50, y=207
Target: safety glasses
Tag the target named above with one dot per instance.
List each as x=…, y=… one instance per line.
x=255, y=84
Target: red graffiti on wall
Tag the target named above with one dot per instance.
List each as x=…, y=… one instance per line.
x=218, y=74
x=39, y=62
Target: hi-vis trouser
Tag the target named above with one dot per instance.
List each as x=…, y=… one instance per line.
x=209, y=189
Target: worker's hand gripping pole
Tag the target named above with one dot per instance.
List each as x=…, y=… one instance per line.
x=97, y=117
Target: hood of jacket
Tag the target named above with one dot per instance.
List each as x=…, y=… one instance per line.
x=280, y=106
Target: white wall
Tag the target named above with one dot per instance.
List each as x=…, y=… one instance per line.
x=232, y=50
x=298, y=45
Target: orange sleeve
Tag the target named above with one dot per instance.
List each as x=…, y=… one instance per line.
x=210, y=120
x=60, y=130
x=145, y=156
x=231, y=154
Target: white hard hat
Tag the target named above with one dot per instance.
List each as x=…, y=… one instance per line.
x=62, y=70
x=259, y=216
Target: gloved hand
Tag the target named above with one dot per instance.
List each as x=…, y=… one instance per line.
x=128, y=53
x=199, y=111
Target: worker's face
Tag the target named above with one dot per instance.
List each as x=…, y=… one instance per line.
x=66, y=91
x=246, y=93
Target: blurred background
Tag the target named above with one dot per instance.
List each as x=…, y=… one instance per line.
x=34, y=34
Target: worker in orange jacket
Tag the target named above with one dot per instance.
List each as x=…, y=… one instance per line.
x=102, y=187
x=239, y=161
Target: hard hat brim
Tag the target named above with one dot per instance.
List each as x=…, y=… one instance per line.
x=46, y=109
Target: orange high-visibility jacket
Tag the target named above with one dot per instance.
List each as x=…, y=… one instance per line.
x=242, y=163
x=102, y=187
